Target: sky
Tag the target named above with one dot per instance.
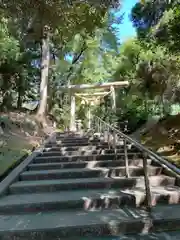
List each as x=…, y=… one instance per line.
x=126, y=29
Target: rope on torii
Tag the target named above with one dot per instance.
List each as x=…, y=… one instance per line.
x=94, y=99
x=72, y=89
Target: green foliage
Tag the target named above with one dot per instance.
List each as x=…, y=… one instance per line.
x=146, y=15
x=74, y=29
x=9, y=46
x=84, y=49
x=13, y=66
x=153, y=73
x=166, y=32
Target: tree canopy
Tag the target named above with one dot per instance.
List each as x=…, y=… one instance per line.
x=47, y=44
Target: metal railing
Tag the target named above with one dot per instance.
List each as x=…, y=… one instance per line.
x=113, y=136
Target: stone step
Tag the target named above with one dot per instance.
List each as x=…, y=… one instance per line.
x=72, y=139
x=165, y=235
x=101, y=198
x=70, y=184
x=49, y=225
x=45, y=165
x=159, y=195
x=88, y=152
x=86, y=173
x=156, y=181
x=90, y=183
x=72, y=142
x=87, y=200
x=67, y=134
x=55, y=157
x=89, y=141
x=79, y=146
x=60, y=174
x=88, y=148
x=73, y=148
x=68, y=144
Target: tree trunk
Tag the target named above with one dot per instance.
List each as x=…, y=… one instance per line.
x=45, y=60
x=20, y=93
x=6, y=101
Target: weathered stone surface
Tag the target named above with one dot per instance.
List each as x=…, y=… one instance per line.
x=94, y=223
x=80, y=188
x=87, y=200
x=70, y=184
x=85, y=173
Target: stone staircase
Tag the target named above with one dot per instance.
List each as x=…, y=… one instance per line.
x=76, y=186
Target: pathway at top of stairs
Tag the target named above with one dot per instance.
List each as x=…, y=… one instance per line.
x=76, y=186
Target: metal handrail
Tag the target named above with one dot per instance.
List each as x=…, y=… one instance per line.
x=164, y=163
x=103, y=127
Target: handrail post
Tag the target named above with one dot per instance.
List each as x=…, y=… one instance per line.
x=146, y=180
x=100, y=130
x=159, y=159
x=104, y=133
x=114, y=143
x=108, y=137
x=126, y=158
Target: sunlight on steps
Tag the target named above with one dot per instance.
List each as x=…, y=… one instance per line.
x=81, y=189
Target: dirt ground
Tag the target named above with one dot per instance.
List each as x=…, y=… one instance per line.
x=19, y=134
x=164, y=138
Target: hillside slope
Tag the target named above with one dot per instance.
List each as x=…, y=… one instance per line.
x=19, y=135
x=164, y=138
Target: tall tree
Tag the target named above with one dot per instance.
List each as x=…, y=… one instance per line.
x=146, y=14
x=57, y=19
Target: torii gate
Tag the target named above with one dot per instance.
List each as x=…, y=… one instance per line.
x=74, y=89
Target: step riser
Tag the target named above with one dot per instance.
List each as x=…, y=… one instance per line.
x=81, y=149
x=27, y=176
x=96, y=230
x=88, y=153
x=36, y=167
x=67, y=139
x=85, y=152
x=66, y=144
x=157, y=182
x=61, y=141
x=57, y=158
x=70, y=175
x=90, y=164
x=75, y=146
x=157, y=199
x=71, y=149
x=90, y=147
x=91, y=203
x=86, y=204
x=93, y=184
x=123, y=183
x=57, y=165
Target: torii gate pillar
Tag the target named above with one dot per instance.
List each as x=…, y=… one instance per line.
x=113, y=99
x=81, y=87
x=73, y=111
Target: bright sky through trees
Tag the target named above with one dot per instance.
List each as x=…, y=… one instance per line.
x=126, y=29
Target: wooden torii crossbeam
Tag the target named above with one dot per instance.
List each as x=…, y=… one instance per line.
x=91, y=94
x=95, y=86
x=74, y=89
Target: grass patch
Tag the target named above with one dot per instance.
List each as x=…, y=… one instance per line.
x=11, y=151
x=18, y=137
